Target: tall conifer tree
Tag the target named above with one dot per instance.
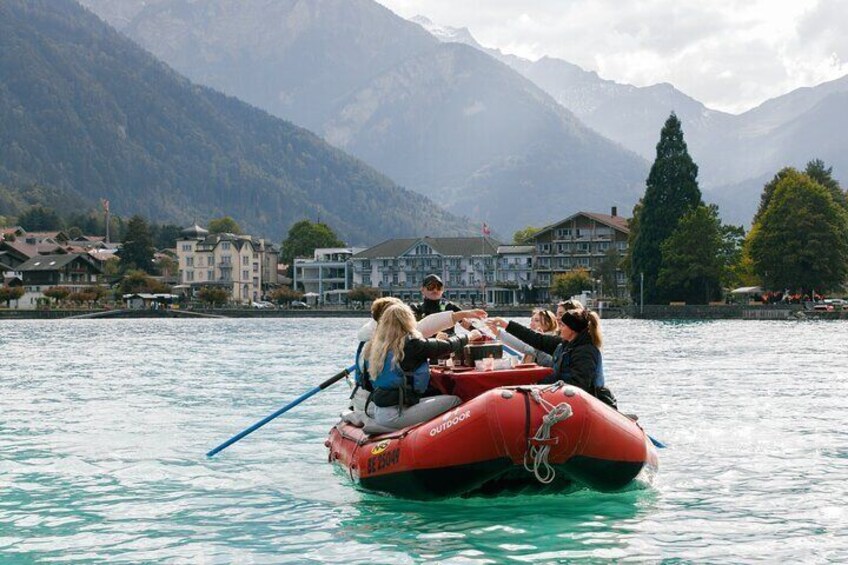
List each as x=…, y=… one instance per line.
x=672, y=191
x=137, y=246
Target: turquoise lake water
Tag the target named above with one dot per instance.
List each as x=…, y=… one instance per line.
x=104, y=426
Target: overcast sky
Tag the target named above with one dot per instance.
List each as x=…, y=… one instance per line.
x=729, y=54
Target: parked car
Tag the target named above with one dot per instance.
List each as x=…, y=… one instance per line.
x=299, y=304
x=258, y=305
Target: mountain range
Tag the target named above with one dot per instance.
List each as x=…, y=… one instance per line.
x=489, y=136
x=736, y=154
x=85, y=113
x=445, y=120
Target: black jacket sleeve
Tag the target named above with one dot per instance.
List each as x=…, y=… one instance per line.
x=418, y=350
x=583, y=367
x=452, y=307
x=540, y=341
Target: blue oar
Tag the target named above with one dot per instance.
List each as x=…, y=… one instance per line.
x=657, y=443
x=282, y=410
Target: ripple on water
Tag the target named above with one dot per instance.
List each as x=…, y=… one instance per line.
x=102, y=453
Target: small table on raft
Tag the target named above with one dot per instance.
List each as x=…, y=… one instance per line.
x=467, y=382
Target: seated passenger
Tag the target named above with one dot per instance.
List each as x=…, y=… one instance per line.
x=428, y=327
x=542, y=321
x=576, y=350
x=403, y=355
x=432, y=292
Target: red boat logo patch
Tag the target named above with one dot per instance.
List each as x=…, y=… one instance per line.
x=380, y=447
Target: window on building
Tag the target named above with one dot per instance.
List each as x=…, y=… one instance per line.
x=189, y=261
x=210, y=260
x=562, y=233
x=210, y=275
x=189, y=275
x=186, y=247
x=245, y=259
x=226, y=260
x=544, y=247
x=225, y=245
x=245, y=275
x=256, y=267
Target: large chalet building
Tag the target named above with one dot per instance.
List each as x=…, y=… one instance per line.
x=482, y=270
x=581, y=241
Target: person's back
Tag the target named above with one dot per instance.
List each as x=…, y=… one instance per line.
x=402, y=356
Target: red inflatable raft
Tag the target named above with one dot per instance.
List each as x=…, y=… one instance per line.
x=536, y=438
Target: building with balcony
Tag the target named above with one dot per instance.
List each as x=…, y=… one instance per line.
x=514, y=282
x=585, y=240
x=467, y=265
x=75, y=271
x=327, y=277
x=245, y=265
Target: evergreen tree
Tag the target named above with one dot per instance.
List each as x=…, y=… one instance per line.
x=39, y=218
x=137, y=246
x=800, y=240
x=305, y=237
x=165, y=236
x=692, y=264
x=672, y=191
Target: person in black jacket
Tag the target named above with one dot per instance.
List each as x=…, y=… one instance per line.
x=399, y=370
x=576, y=350
x=432, y=289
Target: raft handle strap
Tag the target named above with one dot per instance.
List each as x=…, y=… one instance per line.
x=540, y=444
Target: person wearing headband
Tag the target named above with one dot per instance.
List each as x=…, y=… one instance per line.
x=576, y=350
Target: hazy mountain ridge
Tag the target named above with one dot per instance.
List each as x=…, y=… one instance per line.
x=437, y=118
x=89, y=113
x=734, y=152
x=296, y=59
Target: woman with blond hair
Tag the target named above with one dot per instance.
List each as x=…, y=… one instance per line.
x=398, y=364
x=542, y=321
x=576, y=350
x=428, y=327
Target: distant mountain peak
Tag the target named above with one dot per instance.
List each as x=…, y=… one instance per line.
x=447, y=34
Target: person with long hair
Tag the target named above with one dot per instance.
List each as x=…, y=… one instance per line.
x=542, y=321
x=428, y=327
x=399, y=369
x=576, y=350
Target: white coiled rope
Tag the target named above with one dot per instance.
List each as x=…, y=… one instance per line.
x=541, y=468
